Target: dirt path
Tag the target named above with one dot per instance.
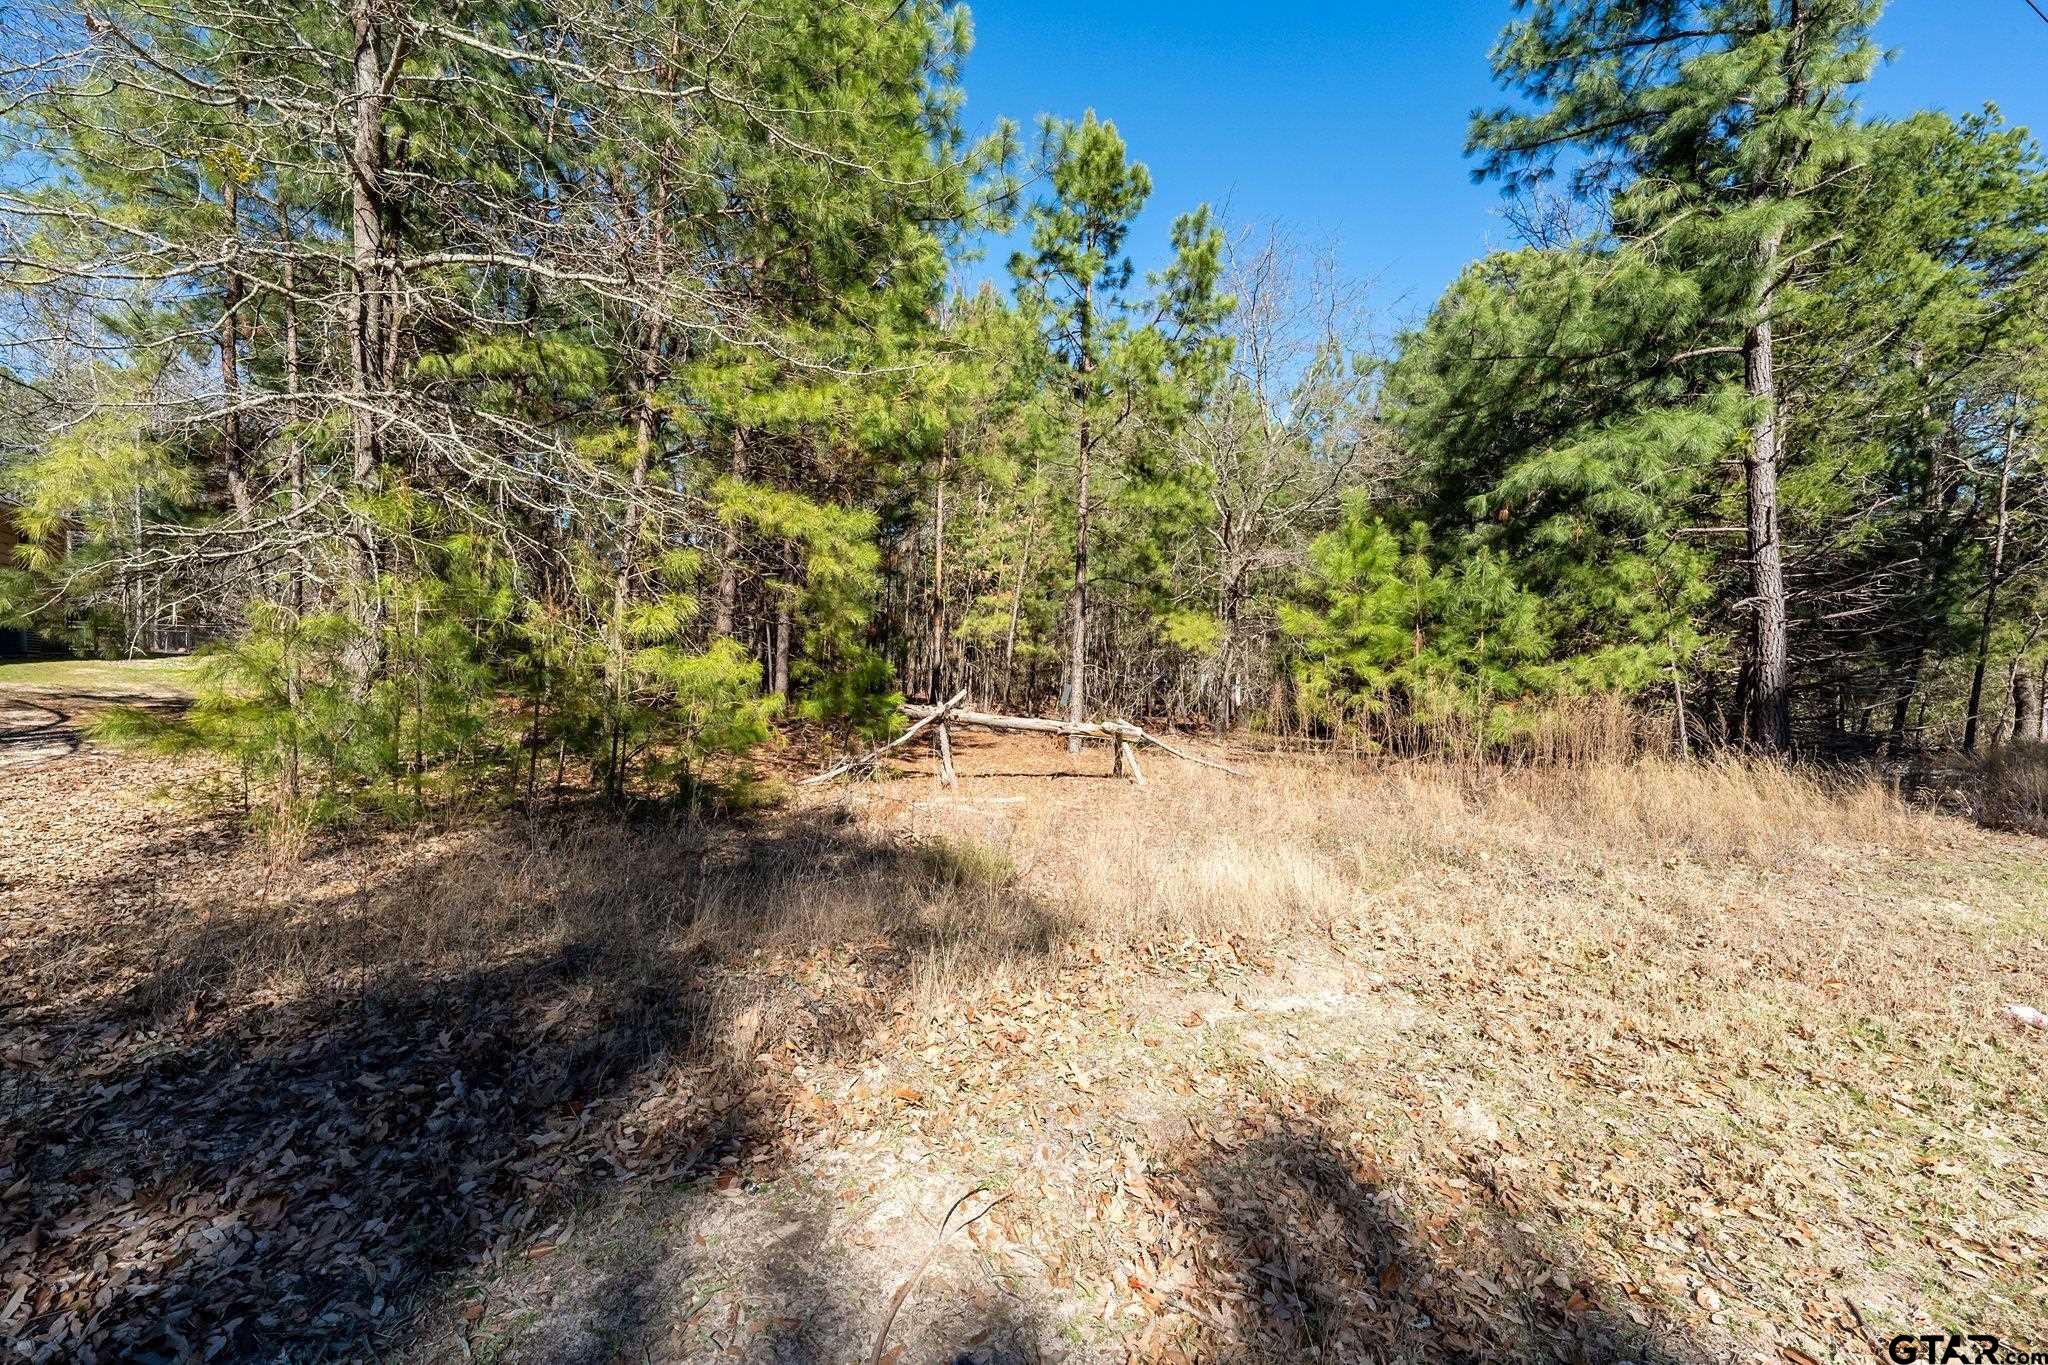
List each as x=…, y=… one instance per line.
x=34, y=732
x=47, y=707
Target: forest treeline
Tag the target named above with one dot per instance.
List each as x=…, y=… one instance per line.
x=521, y=387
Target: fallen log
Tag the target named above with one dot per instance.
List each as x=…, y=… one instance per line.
x=1186, y=757
x=869, y=758
x=1125, y=736
x=1027, y=724
x=1119, y=730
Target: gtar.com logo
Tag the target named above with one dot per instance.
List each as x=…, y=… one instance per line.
x=1934, y=1349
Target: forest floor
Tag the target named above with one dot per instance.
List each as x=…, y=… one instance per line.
x=1620, y=1063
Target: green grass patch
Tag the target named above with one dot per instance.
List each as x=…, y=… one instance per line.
x=109, y=678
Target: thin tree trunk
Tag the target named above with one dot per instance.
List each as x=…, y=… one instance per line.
x=1902, y=706
x=1735, y=728
x=645, y=418
x=366, y=337
x=230, y=366
x=1770, y=696
x=1077, y=666
x=419, y=705
x=938, y=616
x=366, y=342
x=1678, y=707
x=1230, y=606
x=289, y=277
x=1991, y=587
x=617, y=682
x=1017, y=601
x=729, y=561
x=1077, y=649
x=779, y=647
x=137, y=600
x=540, y=692
x=293, y=657
x=779, y=660
x=291, y=407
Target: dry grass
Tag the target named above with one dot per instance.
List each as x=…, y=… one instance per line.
x=2009, y=788
x=1623, y=1058
x=640, y=908
x=1295, y=847
x=667, y=913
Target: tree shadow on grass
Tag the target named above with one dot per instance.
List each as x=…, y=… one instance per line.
x=61, y=717
x=300, y=1118
x=784, y=1271
x=1311, y=1254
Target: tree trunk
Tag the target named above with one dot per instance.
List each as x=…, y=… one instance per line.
x=729, y=560
x=540, y=692
x=1077, y=667
x=366, y=172
x=645, y=417
x=1902, y=706
x=618, y=684
x=1077, y=648
x=230, y=366
x=784, y=627
x=1770, y=696
x=366, y=338
x=937, y=625
x=2026, y=706
x=1735, y=726
x=1017, y=601
x=293, y=662
x=1682, y=737
x=291, y=409
x=1991, y=588
x=1229, y=608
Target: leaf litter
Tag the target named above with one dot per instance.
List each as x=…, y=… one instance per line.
x=1382, y=1135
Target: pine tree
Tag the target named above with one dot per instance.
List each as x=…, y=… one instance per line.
x=1723, y=118
x=1127, y=362
x=1558, y=421
x=1070, y=281
x=1934, y=292
x=481, y=342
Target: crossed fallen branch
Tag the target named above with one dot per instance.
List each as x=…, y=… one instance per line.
x=1126, y=736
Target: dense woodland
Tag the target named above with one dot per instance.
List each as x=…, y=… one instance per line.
x=519, y=388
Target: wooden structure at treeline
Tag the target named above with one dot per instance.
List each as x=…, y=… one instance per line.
x=940, y=720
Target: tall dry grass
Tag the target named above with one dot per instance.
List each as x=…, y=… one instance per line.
x=1304, y=841
x=1565, y=730
x=685, y=929
x=2008, y=788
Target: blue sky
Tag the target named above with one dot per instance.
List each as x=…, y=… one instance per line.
x=1347, y=121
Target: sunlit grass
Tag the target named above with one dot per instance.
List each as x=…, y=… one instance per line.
x=172, y=677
